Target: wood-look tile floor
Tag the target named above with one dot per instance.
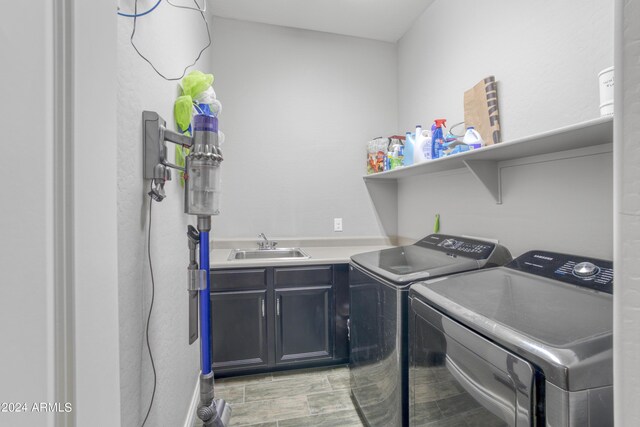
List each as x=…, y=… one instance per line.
x=317, y=397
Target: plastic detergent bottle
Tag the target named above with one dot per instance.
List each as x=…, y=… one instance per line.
x=423, y=146
x=473, y=139
x=428, y=141
x=408, y=149
x=437, y=140
x=418, y=150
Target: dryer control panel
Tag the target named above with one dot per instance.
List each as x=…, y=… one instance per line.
x=458, y=246
x=592, y=273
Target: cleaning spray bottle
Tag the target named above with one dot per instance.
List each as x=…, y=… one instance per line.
x=437, y=139
x=408, y=149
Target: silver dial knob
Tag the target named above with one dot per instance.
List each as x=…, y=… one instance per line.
x=585, y=269
x=449, y=243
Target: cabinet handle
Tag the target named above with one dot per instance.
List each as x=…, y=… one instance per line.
x=278, y=306
x=262, y=299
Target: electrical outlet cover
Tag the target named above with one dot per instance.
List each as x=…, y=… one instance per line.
x=337, y=224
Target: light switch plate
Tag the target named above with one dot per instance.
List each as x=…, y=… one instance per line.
x=337, y=224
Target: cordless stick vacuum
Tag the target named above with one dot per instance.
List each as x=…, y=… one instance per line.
x=201, y=199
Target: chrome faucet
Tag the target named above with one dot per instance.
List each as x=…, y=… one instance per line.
x=266, y=243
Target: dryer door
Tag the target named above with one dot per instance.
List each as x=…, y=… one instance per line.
x=458, y=377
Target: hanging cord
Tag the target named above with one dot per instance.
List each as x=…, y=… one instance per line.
x=197, y=9
x=137, y=15
x=133, y=33
x=455, y=126
x=153, y=292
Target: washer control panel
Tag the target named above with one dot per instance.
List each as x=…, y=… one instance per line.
x=581, y=271
x=458, y=246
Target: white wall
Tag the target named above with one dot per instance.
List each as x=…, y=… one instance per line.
x=541, y=209
x=298, y=108
x=95, y=222
x=171, y=39
x=38, y=365
x=26, y=227
x=545, y=55
x=546, y=66
x=626, y=345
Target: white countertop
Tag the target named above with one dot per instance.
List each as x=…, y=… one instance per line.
x=317, y=255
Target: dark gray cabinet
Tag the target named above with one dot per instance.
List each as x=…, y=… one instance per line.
x=265, y=318
x=239, y=333
x=304, y=324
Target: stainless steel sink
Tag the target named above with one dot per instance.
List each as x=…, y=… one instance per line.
x=279, y=253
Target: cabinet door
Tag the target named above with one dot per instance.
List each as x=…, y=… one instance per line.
x=239, y=329
x=304, y=324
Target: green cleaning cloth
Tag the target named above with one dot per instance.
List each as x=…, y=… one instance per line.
x=182, y=112
x=195, y=83
x=192, y=85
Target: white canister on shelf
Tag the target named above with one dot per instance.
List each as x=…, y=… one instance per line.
x=605, y=79
x=473, y=139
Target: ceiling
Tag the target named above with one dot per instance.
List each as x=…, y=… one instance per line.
x=385, y=20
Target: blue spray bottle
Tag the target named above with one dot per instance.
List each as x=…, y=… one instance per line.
x=438, y=139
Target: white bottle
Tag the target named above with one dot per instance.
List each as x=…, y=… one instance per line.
x=473, y=139
x=418, y=151
x=427, y=143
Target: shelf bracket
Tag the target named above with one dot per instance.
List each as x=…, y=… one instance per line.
x=488, y=173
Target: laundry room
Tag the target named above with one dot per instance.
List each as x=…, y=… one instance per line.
x=350, y=213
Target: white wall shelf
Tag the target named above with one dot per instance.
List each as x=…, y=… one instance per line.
x=483, y=163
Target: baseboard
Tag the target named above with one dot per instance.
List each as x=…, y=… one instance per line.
x=190, y=420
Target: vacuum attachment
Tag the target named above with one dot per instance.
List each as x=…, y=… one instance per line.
x=218, y=414
x=213, y=413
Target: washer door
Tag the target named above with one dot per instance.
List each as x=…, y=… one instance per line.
x=457, y=376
